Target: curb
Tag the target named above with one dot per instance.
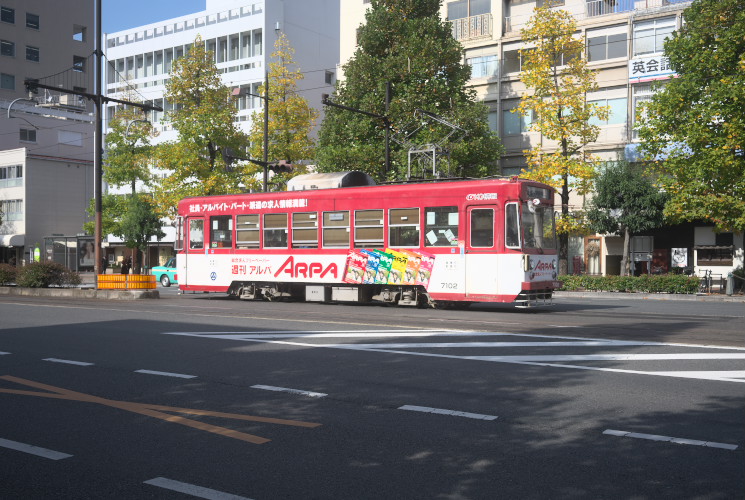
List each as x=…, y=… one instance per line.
x=80, y=293
x=652, y=296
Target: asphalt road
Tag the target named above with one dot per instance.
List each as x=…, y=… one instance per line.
x=198, y=396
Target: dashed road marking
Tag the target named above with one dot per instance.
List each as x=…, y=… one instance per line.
x=165, y=374
x=669, y=439
x=293, y=391
x=33, y=450
x=454, y=413
x=68, y=362
x=192, y=489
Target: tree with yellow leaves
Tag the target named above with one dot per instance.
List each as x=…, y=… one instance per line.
x=557, y=77
x=204, y=114
x=291, y=118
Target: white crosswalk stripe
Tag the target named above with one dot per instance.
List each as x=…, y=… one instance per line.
x=631, y=357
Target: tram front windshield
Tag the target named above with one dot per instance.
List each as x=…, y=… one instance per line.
x=539, y=228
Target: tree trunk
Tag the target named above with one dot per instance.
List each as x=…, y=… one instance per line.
x=625, y=260
x=564, y=237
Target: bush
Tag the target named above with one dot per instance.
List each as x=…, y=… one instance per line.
x=648, y=283
x=7, y=274
x=46, y=274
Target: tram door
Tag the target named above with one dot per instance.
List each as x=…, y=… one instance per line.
x=481, y=258
x=194, y=246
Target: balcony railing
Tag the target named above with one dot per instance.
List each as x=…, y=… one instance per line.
x=472, y=28
x=604, y=7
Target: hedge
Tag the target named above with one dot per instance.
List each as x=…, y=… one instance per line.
x=648, y=283
x=46, y=274
x=7, y=274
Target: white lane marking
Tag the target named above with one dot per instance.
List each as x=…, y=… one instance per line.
x=454, y=413
x=68, y=362
x=733, y=374
x=304, y=334
x=293, y=391
x=192, y=489
x=497, y=359
x=33, y=450
x=438, y=345
x=668, y=439
x=612, y=357
x=165, y=374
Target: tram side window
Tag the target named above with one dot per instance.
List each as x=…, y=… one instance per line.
x=403, y=226
x=441, y=226
x=221, y=231
x=196, y=234
x=247, y=231
x=368, y=229
x=305, y=230
x=275, y=231
x=482, y=227
x=511, y=226
x=336, y=229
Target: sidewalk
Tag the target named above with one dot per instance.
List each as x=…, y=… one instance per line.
x=714, y=297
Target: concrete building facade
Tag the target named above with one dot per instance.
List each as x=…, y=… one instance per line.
x=624, y=43
x=241, y=33
x=46, y=138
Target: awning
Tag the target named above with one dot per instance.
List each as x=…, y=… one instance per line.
x=12, y=240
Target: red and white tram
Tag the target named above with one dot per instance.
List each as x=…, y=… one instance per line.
x=490, y=240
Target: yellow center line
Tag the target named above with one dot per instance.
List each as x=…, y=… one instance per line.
x=152, y=410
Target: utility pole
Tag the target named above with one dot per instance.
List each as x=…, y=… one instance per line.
x=266, y=129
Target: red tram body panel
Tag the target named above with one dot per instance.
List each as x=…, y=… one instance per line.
x=490, y=240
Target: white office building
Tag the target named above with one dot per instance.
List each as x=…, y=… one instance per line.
x=46, y=138
x=241, y=33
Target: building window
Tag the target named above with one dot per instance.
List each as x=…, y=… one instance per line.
x=12, y=210
x=649, y=36
x=467, y=8
x=606, y=46
x=512, y=61
x=32, y=21
x=617, y=115
x=484, y=66
x=329, y=78
x=32, y=53
x=28, y=135
x=642, y=94
x=78, y=64
x=7, y=81
x=515, y=123
x=11, y=176
x=7, y=15
x=7, y=48
x=78, y=33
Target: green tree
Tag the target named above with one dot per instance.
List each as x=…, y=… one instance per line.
x=558, y=79
x=625, y=202
x=204, y=115
x=140, y=223
x=291, y=118
x=694, y=131
x=128, y=149
x=406, y=44
x=113, y=208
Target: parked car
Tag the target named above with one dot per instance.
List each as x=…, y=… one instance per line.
x=166, y=274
